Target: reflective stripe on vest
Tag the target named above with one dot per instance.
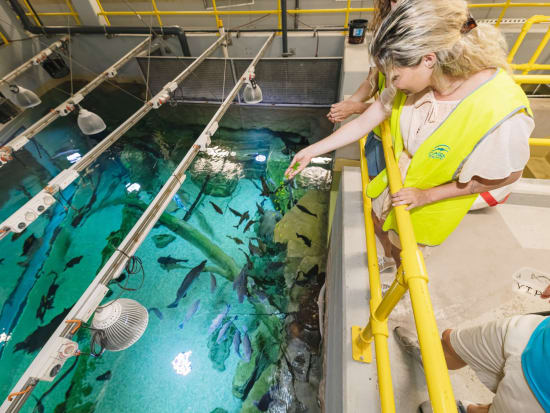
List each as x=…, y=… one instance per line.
x=440, y=157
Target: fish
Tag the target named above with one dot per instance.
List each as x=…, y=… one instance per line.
x=28, y=244
x=2, y=260
x=247, y=347
x=237, y=343
x=72, y=262
x=248, y=260
x=46, y=301
x=236, y=213
x=254, y=250
x=223, y=330
x=218, y=320
x=64, y=153
x=168, y=263
x=240, y=284
x=264, y=402
x=265, y=187
x=261, y=245
x=261, y=211
x=36, y=340
x=216, y=208
x=248, y=225
x=306, y=240
x=305, y=210
x=191, y=312
x=105, y=376
x=187, y=281
x=213, y=283
x=244, y=217
x=179, y=202
x=156, y=312
x=238, y=241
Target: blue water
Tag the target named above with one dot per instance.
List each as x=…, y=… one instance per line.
x=142, y=377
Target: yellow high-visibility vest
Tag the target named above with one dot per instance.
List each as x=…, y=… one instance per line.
x=439, y=158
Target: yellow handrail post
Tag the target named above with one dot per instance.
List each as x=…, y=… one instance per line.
x=32, y=13
x=415, y=277
x=538, y=51
x=379, y=328
x=531, y=79
x=216, y=15
x=526, y=26
x=539, y=141
x=156, y=12
x=4, y=38
x=73, y=12
x=279, y=17
x=502, y=13
x=103, y=13
x=348, y=5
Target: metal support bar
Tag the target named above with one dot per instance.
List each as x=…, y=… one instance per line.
x=37, y=205
x=93, y=295
x=33, y=61
x=284, y=28
x=20, y=140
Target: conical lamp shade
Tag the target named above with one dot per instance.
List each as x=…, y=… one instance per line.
x=23, y=97
x=252, y=94
x=120, y=323
x=89, y=123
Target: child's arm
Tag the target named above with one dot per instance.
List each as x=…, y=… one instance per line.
x=414, y=197
x=348, y=133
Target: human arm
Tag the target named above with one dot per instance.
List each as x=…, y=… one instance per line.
x=414, y=197
x=356, y=103
x=345, y=135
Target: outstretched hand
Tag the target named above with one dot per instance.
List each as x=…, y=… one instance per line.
x=342, y=110
x=298, y=163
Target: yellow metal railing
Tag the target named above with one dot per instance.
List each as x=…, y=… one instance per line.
x=34, y=15
x=4, y=38
x=411, y=276
x=531, y=65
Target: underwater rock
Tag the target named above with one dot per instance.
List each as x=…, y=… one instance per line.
x=299, y=357
x=295, y=225
x=163, y=240
x=267, y=224
x=223, y=175
x=260, y=388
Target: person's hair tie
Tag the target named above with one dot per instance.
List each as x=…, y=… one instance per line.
x=468, y=25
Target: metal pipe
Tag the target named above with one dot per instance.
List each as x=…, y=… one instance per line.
x=296, y=7
x=284, y=28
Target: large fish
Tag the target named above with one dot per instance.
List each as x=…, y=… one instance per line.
x=187, y=281
x=236, y=213
x=190, y=313
x=238, y=241
x=248, y=225
x=223, y=330
x=265, y=187
x=28, y=244
x=248, y=260
x=240, y=284
x=168, y=263
x=237, y=343
x=305, y=210
x=216, y=208
x=244, y=217
x=218, y=320
x=247, y=347
x=254, y=250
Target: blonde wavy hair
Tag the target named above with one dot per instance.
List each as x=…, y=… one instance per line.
x=416, y=28
x=381, y=9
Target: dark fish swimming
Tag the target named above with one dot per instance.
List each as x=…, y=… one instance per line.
x=238, y=241
x=213, y=283
x=168, y=263
x=223, y=330
x=36, y=340
x=216, y=322
x=248, y=260
x=187, y=281
x=105, y=376
x=305, y=210
x=254, y=250
x=73, y=262
x=190, y=312
x=28, y=244
x=216, y=208
x=306, y=240
x=2, y=260
x=265, y=187
x=240, y=284
x=156, y=312
x=260, y=209
x=236, y=213
x=248, y=225
x=244, y=217
x=46, y=302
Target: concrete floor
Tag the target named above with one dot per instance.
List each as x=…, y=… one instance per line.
x=470, y=282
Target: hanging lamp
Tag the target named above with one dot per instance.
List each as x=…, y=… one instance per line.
x=89, y=123
x=23, y=97
x=252, y=92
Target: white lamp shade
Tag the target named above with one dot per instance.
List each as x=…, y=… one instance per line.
x=252, y=94
x=24, y=98
x=122, y=322
x=89, y=123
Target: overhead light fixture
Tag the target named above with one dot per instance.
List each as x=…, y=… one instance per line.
x=89, y=123
x=118, y=324
x=23, y=97
x=252, y=92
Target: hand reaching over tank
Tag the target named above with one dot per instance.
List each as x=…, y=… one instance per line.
x=342, y=110
x=298, y=163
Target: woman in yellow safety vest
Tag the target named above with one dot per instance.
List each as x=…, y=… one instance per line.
x=459, y=123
